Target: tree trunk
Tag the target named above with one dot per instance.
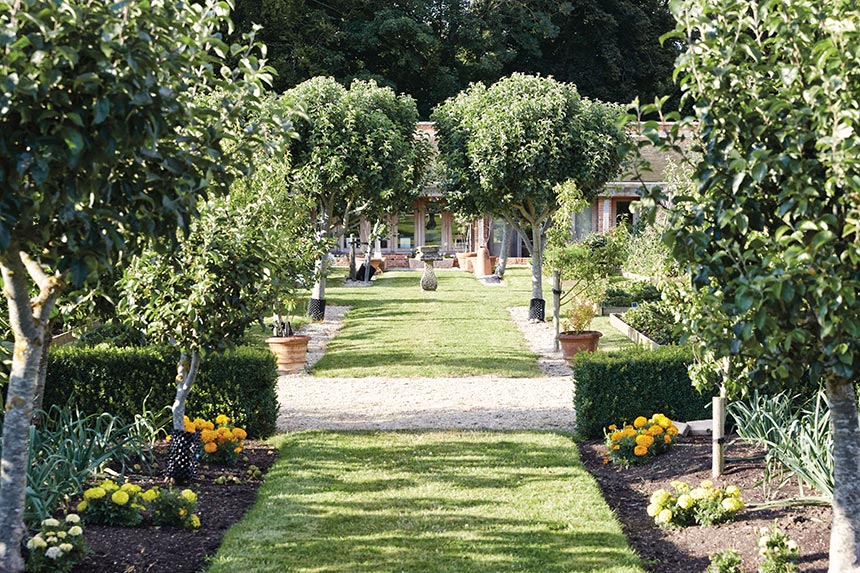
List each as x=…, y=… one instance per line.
x=504, y=249
x=29, y=320
x=845, y=527
x=367, y=257
x=537, y=261
x=186, y=373
x=39, y=400
x=320, y=270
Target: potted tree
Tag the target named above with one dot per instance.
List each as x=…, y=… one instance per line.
x=576, y=336
x=290, y=349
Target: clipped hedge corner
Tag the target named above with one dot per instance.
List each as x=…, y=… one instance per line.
x=614, y=387
x=239, y=383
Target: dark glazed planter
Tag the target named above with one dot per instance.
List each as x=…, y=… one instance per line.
x=573, y=342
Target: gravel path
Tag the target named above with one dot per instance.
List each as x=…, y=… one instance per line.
x=475, y=402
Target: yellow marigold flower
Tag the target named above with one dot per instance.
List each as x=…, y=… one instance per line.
x=73, y=518
x=76, y=530
x=189, y=427
x=167, y=439
x=150, y=495
x=630, y=432
x=672, y=430
x=698, y=493
x=612, y=427
x=210, y=447
x=653, y=509
x=82, y=506
x=655, y=430
x=208, y=426
x=207, y=436
x=686, y=501
x=186, y=419
x=130, y=488
x=240, y=433
x=188, y=495
x=640, y=421
x=733, y=491
x=645, y=440
x=664, y=421
x=195, y=521
x=50, y=522
x=237, y=450
x=109, y=485
x=664, y=516
x=616, y=436
x=221, y=419
x=732, y=504
x=94, y=493
x=707, y=484
x=660, y=496
x=640, y=451
x=667, y=439
x=119, y=497
x=183, y=512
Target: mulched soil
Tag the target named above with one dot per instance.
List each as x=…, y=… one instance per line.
x=174, y=550
x=686, y=550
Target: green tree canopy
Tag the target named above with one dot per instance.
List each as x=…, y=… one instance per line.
x=770, y=237
x=356, y=149
x=432, y=49
x=511, y=150
x=102, y=148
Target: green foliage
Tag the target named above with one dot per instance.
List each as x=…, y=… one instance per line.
x=584, y=266
x=630, y=292
x=725, y=562
x=68, y=448
x=613, y=386
x=113, y=333
x=779, y=553
x=702, y=505
x=797, y=434
x=175, y=508
x=108, y=503
x=656, y=320
x=118, y=380
x=434, y=48
x=647, y=254
x=578, y=316
x=57, y=546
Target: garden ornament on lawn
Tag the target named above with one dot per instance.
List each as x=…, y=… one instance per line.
x=428, y=254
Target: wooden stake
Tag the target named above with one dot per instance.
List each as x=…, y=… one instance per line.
x=556, y=306
x=719, y=433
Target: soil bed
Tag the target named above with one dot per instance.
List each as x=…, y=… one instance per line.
x=173, y=550
x=686, y=550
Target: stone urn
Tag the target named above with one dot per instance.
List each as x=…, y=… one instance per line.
x=290, y=352
x=573, y=342
x=428, y=254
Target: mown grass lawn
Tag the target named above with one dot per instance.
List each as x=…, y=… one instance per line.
x=429, y=502
x=395, y=329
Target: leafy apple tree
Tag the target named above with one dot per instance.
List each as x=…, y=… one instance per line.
x=511, y=149
x=771, y=237
x=102, y=147
x=356, y=147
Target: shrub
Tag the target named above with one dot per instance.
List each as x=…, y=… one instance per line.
x=118, y=380
x=57, y=547
x=222, y=441
x=632, y=291
x=703, y=505
x=618, y=386
x=111, y=504
x=170, y=507
x=725, y=562
x=639, y=442
x=778, y=552
x=655, y=320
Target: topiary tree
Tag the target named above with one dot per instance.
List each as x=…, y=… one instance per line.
x=102, y=147
x=511, y=149
x=356, y=147
x=771, y=237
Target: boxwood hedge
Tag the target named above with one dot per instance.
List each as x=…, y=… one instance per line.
x=615, y=387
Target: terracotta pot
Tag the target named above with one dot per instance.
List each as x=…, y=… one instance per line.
x=290, y=352
x=461, y=259
x=573, y=342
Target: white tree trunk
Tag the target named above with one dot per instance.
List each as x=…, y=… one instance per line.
x=537, y=261
x=319, y=271
x=47, y=337
x=28, y=320
x=186, y=373
x=504, y=249
x=845, y=528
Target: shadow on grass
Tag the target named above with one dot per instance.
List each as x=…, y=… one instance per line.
x=338, y=503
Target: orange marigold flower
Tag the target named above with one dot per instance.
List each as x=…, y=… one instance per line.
x=210, y=447
x=207, y=436
x=237, y=450
x=645, y=440
x=630, y=433
x=640, y=451
x=612, y=427
x=616, y=436
x=655, y=430
x=221, y=419
x=640, y=421
x=240, y=433
x=667, y=438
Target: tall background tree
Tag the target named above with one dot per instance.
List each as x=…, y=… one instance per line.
x=432, y=49
x=513, y=149
x=356, y=148
x=771, y=238
x=102, y=148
